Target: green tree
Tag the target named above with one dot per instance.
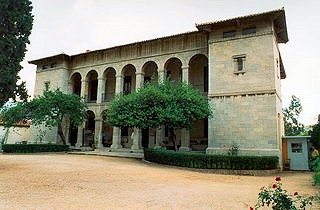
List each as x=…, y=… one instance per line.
x=15, y=27
x=291, y=125
x=50, y=109
x=315, y=134
x=175, y=105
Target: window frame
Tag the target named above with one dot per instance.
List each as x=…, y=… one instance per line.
x=236, y=59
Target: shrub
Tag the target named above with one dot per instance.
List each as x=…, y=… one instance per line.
x=277, y=198
x=33, y=148
x=316, y=179
x=208, y=161
x=315, y=165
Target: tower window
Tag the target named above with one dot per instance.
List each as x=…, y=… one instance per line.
x=239, y=63
x=247, y=31
x=229, y=34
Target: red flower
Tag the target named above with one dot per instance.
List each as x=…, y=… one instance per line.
x=274, y=186
x=295, y=193
x=278, y=178
x=251, y=208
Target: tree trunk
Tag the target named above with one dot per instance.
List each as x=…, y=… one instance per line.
x=60, y=132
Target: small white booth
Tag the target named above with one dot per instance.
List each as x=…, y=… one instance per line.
x=295, y=152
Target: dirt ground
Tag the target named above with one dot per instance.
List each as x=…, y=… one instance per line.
x=60, y=181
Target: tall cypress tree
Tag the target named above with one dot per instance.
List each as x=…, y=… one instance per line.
x=15, y=27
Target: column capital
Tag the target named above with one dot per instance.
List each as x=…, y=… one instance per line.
x=100, y=78
x=140, y=73
x=119, y=76
x=185, y=67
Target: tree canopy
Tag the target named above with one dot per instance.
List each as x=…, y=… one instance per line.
x=291, y=124
x=15, y=27
x=173, y=104
x=50, y=109
x=315, y=134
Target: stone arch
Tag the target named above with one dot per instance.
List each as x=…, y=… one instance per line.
x=129, y=78
x=92, y=83
x=173, y=68
x=198, y=78
x=75, y=80
x=150, y=70
x=198, y=72
x=110, y=83
x=89, y=128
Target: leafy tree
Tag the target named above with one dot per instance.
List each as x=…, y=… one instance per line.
x=175, y=105
x=15, y=27
x=50, y=109
x=315, y=134
x=291, y=125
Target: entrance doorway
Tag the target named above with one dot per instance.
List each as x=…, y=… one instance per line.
x=145, y=138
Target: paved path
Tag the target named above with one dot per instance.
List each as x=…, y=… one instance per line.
x=62, y=181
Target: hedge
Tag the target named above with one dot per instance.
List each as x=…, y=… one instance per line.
x=208, y=161
x=33, y=148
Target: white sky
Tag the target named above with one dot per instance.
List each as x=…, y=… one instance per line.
x=74, y=26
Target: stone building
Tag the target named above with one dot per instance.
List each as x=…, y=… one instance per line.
x=235, y=62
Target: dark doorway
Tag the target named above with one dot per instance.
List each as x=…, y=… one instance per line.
x=73, y=135
x=145, y=138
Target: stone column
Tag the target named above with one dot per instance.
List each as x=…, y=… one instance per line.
x=139, y=80
x=185, y=140
x=161, y=75
x=98, y=133
x=137, y=138
x=101, y=86
x=116, y=138
x=119, y=84
x=185, y=73
x=80, y=135
x=136, y=143
x=160, y=136
x=83, y=93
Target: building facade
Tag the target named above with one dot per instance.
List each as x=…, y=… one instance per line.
x=235, y=62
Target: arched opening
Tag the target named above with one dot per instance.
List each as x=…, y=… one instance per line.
x=76, y=84
x=110, y=84
x=198, y=78
x=73, y=134
x=107, y=133
x=129, y=79
x=198, y=72
x=150, y=70
x=126, y=137
x=173, y=69
x=199, y=135
x=89, y=129
x=92, y=79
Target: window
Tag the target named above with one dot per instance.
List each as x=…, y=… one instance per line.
x=45, y=67
x=53, y=65
x=239, y=61
x=229, y=34
x=247, y=31
x=296, y=147
x=46, y=86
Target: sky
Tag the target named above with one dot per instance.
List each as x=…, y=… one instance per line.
x=74, y=26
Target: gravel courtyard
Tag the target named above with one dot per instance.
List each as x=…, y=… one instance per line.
x=60, y=181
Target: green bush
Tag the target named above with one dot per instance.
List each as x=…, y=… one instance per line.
x=315, y=165
x=316, y=179
x=207, y=161
x=33, y=148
